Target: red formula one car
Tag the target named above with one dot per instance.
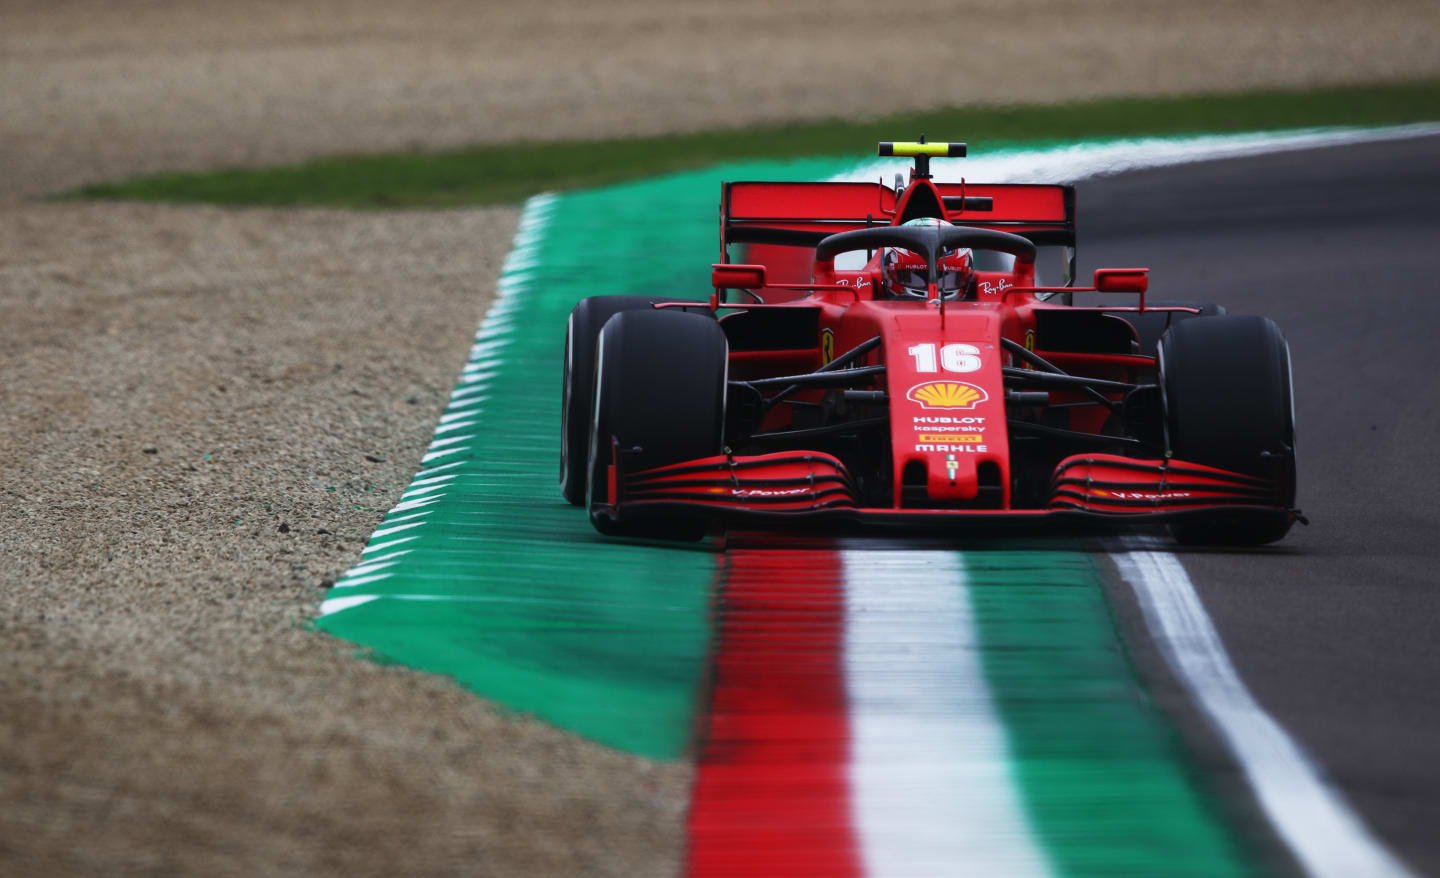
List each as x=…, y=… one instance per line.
x=895, y=362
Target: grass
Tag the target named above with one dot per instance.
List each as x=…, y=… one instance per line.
x=510, y=172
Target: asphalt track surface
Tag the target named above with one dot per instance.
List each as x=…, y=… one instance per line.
x=1334, y=629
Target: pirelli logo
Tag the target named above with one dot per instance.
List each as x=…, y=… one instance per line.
x=950, y=437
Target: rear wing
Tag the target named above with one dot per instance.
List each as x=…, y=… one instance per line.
x=801, y=214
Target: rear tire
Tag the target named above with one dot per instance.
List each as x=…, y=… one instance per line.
x=578, y=384
x=1227, y=398
x=660, y=388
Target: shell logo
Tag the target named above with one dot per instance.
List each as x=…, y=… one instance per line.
x=947, y=395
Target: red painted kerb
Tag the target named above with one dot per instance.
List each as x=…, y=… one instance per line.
x=771, y=796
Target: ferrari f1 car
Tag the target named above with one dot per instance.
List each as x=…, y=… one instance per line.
x=894, y=361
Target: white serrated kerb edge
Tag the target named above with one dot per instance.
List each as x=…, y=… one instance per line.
x=467, y=402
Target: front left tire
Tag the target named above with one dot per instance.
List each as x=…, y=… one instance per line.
x=1227, y=397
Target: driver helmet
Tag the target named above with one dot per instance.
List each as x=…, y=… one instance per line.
x=907, y=275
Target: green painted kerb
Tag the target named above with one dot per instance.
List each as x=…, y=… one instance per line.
x=1104, y=781
x=483, y=572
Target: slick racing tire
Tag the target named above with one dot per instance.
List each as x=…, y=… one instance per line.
x=660, y=382
x=581, y=333
x=1150, y=326
x=1227, y=398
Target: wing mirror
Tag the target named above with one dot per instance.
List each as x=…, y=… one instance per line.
x=732, y=276
x=1122, y=280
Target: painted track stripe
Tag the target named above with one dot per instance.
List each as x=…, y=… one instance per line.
x=933, y=787
x=1326, y=836
x=1067, y=163
x=770, y=795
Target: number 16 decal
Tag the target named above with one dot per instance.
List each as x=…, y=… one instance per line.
x=953, y=358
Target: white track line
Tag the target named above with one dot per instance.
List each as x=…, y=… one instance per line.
x=1326, y=836
x=1068, y=164
x=932, y=786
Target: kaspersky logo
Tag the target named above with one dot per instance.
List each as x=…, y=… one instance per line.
x=947, y=395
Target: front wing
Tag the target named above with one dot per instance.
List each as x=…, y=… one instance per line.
x=814, y=488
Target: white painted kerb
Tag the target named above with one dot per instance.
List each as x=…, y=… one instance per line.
x=932, y=785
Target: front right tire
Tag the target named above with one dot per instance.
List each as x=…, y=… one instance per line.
x=660, y=393
x=582, y=333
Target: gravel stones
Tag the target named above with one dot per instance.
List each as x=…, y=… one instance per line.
x=163, y=707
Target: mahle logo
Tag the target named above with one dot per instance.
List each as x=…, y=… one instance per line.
x=947, y=395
